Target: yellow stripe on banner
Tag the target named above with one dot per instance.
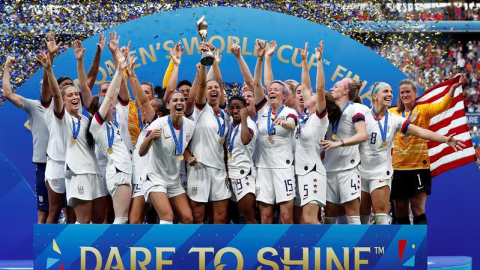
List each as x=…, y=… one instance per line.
x=55, y=247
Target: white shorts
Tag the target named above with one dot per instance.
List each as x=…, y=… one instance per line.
x=137, y=190
x=184, y=181
x=118, y=179
x=85, y=187
x=103, y=170
x=242, y=187
x=275, y=185
x=172, y=189
x=343, y=186
x=207, y=184
x=55, y=169
x=311, y=188
x=369, y=185
x=57, y=185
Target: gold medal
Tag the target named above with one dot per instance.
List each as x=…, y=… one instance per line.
x=221, y=140
x=334, y=137
x=110, y=150
x=229, y=155
x=74, y=141
x=384, y=144
x=270, y=138
x=180, y=157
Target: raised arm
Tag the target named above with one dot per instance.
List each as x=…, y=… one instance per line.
x=44, y=60
x=246, y=136
x=202, y=80
x=93, y=71
x=168, y=73
x=305, y=74
x=247, y=75
x=218, y=76
x=257, y=79
x=114, y=87
x=7, y=87
x=82, y=76
x=176, y=53
x=268, y=63
x=124, y=94
x=52, y=48
x=432, y=136
x=320, y=84
x=193, y=93
x=141, y=98
x=113, y=46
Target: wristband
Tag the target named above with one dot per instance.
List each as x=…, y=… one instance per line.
x=343, y=143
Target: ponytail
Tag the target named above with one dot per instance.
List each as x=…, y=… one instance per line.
x=94, y=106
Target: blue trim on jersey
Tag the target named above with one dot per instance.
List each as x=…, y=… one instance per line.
x=61, y=114
x=322, y=114
x=405, y=126
x=200, y=106
x=260, y=105
x=46, y=104
x=122, y=102
x=99, y=118
x=358, y=117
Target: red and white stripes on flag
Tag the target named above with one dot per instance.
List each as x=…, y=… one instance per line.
x=452, y=121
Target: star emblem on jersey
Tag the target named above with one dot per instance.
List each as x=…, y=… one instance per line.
x=315, y=186
x=315, y=180
x=53, y=261
x=247, y=183
x=315, y=191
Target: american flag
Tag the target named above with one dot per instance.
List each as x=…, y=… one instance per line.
x=452, y=121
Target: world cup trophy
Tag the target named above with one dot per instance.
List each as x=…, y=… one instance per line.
x=207, y=57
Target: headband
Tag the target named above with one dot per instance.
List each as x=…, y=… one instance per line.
x=345, y=83
x=380, y=85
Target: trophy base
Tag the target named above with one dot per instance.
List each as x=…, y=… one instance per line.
x=207, y=58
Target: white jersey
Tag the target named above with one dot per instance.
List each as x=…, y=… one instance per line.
x=377, y=160
x=164, y=163
x=205, y=145
x=140, y=164
x=278, y=153
x=40, y=135
x=241, y=162
x=308, y=135
x=348, y=157
x=57, y=142
x=122, y=110
x=119, y=160
x=79, y=157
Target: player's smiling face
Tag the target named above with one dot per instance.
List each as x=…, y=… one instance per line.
x=407, y=94
x=384, y=96
x=71, y=99
x=275, y=94
x=213, y=93
x=235, y=106
x=176, y=104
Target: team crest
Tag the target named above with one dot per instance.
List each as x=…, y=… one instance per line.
x=40, y=199
x=414, y=116
x=257, y=191
x=81, y=190
x=194, y=190
x=54, y=182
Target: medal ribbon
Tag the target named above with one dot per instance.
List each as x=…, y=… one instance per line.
x=221, y=127
x=335, y=125
x=230, y=140
x=140, y=118
x=178, y=146
x=385, y=123
x=270, y=125
x=115, y=122
x=110, y=135
x=76, y=129
x=410, y=115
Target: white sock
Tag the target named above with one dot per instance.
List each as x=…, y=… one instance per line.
x=365, y=219
x=330, y=220
x=354, y=220
x=166, y=222
x=120, y=220
x=342, y=219
x=381, y=219
x=76, y=222
x=180, y=223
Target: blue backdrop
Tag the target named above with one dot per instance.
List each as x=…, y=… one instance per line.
x=450, y=217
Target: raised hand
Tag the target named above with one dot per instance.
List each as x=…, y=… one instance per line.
x=176, y=53
x=272, y=48
x=101, y=43
x=460, y=82
x=260, y=48
x=122, y=62
x=52, y=46
x=126, y=50
x=131, y=66
x=113, y=44
x=319, y=51
x=304, y=52
x=78, y=49
x=218, y=57
x=236, y=50
x=44, y=59
x=9, y=62
x=244, y=113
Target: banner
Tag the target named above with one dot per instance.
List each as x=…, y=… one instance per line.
x=318, y=247
x=473, y=119
x=151, y=37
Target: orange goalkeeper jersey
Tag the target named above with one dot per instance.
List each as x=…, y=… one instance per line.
x=411, y=152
